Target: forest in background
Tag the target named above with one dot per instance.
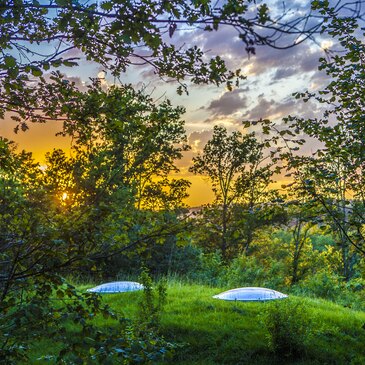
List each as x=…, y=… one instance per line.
x=111, y=208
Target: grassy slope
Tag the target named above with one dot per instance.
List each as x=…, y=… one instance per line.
x=219, y=332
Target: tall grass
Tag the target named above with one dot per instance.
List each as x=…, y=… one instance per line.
x=214, y=332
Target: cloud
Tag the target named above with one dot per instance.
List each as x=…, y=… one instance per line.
x=228, y=103
x=275, y=110
x=282, y=73
x=198, y=139
x=318, y=80
x=285, y=63
x=225, y=42
x=79, y=83
x=229, y=123
x=262, y=109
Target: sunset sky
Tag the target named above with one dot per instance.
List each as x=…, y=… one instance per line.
x=272, y=77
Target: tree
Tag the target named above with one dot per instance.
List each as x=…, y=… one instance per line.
x=129, y=141
x=37, y=38
x=235, y=166
x=334, y=177
x=302, y=220
x=85, y=208
x=323, y=181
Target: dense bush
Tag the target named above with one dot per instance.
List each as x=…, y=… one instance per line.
x=162, y=259
x=57, y=310
x=210, y=270
x=323, y=284
x=289, y=327
x=249, y=271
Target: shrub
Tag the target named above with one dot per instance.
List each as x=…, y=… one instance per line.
x=54, y=309
x=153, y=300
x=210, y=269
x=323, y=284
x=288, y=323
x=161, y=259
x=249, y=271
x=356, y=285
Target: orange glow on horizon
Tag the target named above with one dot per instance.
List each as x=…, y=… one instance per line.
x=40, y=140
x=200, y=192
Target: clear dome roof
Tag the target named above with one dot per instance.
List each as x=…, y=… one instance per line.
x=117, y=287
x=250, y=294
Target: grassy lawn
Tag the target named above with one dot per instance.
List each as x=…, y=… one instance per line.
x=211, y=331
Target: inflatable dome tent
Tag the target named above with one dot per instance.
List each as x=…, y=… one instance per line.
x=116, y=287
x=250, y=294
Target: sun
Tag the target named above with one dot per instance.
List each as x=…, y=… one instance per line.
x=64, y=196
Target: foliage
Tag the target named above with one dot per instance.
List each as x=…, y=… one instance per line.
x=86, y=205
x=210, y=269
x=84, y=212
x=38, y=39
x=334, y=177
x=251, y=271
x=123, y=140
x=235, y=165
x=224, y=333
x=151, y=306
x=224, y=158
x=303, y=217
x=323, y=284
x=161, y=258
x=84, y=209
x=289, y=326
x=52, y=307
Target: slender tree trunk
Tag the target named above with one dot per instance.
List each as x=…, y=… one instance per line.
x=295, y=267
x=249, y=220
x=224, y=230
x=299, y=238
x=346, y=271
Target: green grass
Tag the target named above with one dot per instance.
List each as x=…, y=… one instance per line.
x=218, y=332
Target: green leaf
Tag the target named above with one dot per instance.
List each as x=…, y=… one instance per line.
x=62, y=2
x=36, y=71
x=70, y=63
x=9, y=61
x=107, y=6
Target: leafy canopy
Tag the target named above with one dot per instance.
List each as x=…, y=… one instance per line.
x=39, y=37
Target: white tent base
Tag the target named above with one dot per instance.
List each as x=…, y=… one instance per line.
x=116, y=287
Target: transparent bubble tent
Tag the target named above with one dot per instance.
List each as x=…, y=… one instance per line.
x=250, y=294
x=116, y=287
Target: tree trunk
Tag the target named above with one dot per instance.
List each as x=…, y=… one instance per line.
x=224, y=231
